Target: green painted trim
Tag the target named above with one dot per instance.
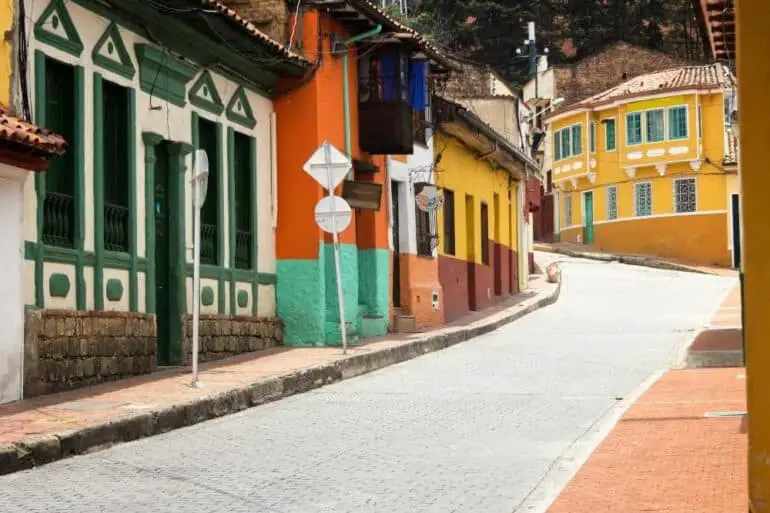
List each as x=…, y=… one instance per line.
x=150, y=141
x=114, y=290
x=267, y=279
x=254, y=222
x=212, y=272
x=98, y=163
x=231, y=210
x=243, y=299
x=80, y=186
x=133, y=230
x=246, y=117
x=40, y=120
x=214, y=104
x=178, y=304
x=207, y=296
x=124, y=68
x=58, y=255
x=221, y=216
x=57, y=11
x=58, y=285
x=163, y=75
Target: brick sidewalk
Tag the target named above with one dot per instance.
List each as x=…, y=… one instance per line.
x=666, y=455
x=47, y=428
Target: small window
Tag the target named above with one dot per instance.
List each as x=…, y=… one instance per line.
x=577, y=142
x=634, y=128
x=677, y=123
x=484, y=234
x=243, y=195
x=424, y=235
x=609, y=135
x=565, y=143
x=655, y=126
x=684, y=195
x=568, y=210
x=557, y=146
x=592, y=138
x=612, y=202
x=208, y=139
x=116, y=133
x=449, y=222
x=642, y=199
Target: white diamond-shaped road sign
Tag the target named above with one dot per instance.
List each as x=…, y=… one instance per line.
x=328, y=166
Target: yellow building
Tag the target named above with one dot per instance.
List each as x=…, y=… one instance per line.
x=648, y=167
x=481, y=175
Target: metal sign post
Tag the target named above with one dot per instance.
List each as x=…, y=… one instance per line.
x=199, y=181
x=328, y=166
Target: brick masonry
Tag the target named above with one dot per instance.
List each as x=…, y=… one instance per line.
x=270, y=16
x=66, y=349
x=615, y=64
x=223, y=336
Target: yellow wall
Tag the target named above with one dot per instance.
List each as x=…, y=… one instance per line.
x=753, y=19
x=6, y=25
x=461, y=172
x=701, y=236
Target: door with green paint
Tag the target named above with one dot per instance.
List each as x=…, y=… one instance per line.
x=588, y=218
x=163, y=289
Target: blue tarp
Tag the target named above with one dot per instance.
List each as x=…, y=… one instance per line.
x=389, y=73
x=417, y=86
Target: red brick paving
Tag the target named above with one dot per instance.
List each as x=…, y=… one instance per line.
x=664, y=456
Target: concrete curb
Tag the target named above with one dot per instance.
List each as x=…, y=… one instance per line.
x=714, y=359
x=622, y=259
x=46, y=449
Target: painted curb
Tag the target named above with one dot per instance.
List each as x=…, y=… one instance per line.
x=623, y=259
x=46, y=449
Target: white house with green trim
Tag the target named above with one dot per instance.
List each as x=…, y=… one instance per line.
x=135, y=86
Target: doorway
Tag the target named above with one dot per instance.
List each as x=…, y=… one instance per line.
x=12, y=306
x=735, y=220
x=167, y=316
x=394, y=188
x=497, y=247
x=470, y=257
x=588, y=219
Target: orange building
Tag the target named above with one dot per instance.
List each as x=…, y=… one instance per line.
x=359, y=96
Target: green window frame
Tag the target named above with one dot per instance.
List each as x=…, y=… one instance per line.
x=592, y=137
x=678, y=123
x=566, y=149
x=655, y=126
x=59, y=205
x=633, y=128
x=610, y=142
x=211, y=226
x=642, y=199
x=243, y=197
x=557, y=146
x=115, y=164
x=577, y=140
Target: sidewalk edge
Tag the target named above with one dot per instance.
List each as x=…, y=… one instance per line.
x=622, y=259
x=48, y=448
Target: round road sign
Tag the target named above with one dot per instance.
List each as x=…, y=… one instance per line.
x=333, y=214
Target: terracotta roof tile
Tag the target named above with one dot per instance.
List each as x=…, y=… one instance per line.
x=731, y=157
x=17, y=131
x=255, y=32
x=712, y=76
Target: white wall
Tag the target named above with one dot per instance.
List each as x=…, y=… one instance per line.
x=159, y=116
x=12, y=263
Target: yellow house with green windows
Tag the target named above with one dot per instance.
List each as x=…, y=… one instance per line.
x=649, y=167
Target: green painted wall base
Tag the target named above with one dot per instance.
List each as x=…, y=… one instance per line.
x=306, y=296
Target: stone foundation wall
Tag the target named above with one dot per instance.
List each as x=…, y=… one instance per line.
x=65, y=349
x=222, y=336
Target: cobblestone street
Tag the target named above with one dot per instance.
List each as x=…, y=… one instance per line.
x=496, y=424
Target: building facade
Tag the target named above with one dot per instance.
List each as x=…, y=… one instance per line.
x=648, y=167
x=367, y=88
x=108, y=229
x=482, y=180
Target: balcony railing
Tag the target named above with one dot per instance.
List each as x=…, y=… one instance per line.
x=58, y=220
x=242, y=249
x=116, y=221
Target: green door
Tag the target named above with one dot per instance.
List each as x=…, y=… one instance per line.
x=162, y=260
x=588, y=218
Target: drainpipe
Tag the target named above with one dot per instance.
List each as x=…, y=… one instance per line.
x=346, y=83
